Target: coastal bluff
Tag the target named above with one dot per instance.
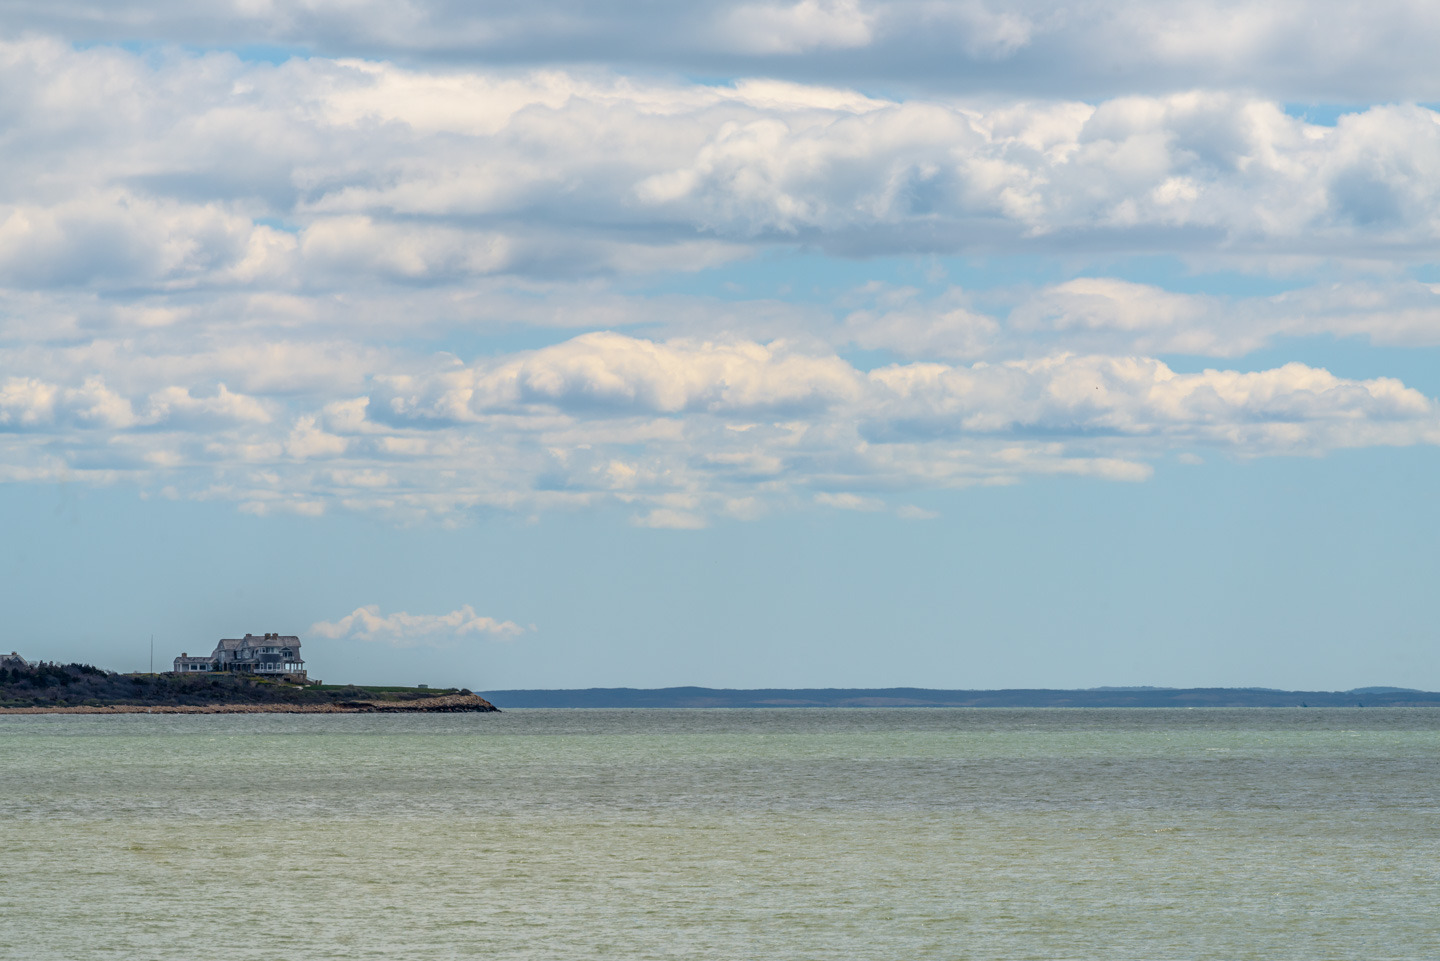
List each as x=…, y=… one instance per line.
x=47, y=688
x=445, y=704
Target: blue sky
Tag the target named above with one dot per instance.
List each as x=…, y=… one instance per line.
x=826, y=343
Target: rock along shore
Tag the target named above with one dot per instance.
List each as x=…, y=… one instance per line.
x=449, y=703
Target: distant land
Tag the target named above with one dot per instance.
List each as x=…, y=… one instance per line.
x=47, y=688
x=703, y=697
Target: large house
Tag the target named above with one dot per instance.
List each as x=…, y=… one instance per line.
x=272, y=654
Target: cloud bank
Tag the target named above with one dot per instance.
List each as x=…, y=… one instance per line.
x=207, y=173
x=400, y=629
x=436, y=288
x=1322, y=49
x=698, y=429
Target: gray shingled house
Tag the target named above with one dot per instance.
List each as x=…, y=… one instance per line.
x=272, y=654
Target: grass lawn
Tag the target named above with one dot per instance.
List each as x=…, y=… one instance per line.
x=383, y=690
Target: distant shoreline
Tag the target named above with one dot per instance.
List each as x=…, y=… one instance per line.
x=49, y=688
x=447, y=704
x=702, y=697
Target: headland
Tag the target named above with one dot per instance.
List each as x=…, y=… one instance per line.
x=47, y=688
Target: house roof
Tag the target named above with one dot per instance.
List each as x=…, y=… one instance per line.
x=258, y=640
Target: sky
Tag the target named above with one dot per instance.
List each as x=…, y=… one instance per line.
x=801, y=344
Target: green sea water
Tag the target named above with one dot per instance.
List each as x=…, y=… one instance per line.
x=804, y=834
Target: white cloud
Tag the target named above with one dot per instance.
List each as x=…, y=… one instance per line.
x=299, y=287
x=850, y=502
x=175, y=405
x=401, y=629
x=25, y=402
x=946, y=328
x=307, y=440
x=606, y=371
x=1091, y=303
x=667, y=518
x=677, y=433
x=1105, y=315
x=796, y=27
x=1319, y=50
x=319, y=176
x=404, y=253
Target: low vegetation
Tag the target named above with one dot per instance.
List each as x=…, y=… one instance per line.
x=84, y=685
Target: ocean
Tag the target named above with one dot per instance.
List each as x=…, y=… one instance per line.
x=746, y=834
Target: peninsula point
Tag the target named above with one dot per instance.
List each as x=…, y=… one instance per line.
x=259, y=673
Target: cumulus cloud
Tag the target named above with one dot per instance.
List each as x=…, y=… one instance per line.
x=678, y=433
x=315, y=176
x=606, y=371
x=1134, y=396
x=911, y=327
x=795, y=28
x=1320, y=49
x=850, y=502
x=26, y=402
x=1107, y=315
x=1103, y=313
x=400, y=629
x=336, y=284
x=671, y=519
x=31, y=403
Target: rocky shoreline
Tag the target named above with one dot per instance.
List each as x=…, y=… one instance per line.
x=445, y=704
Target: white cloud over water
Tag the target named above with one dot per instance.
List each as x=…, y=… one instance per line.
x=401, y=629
